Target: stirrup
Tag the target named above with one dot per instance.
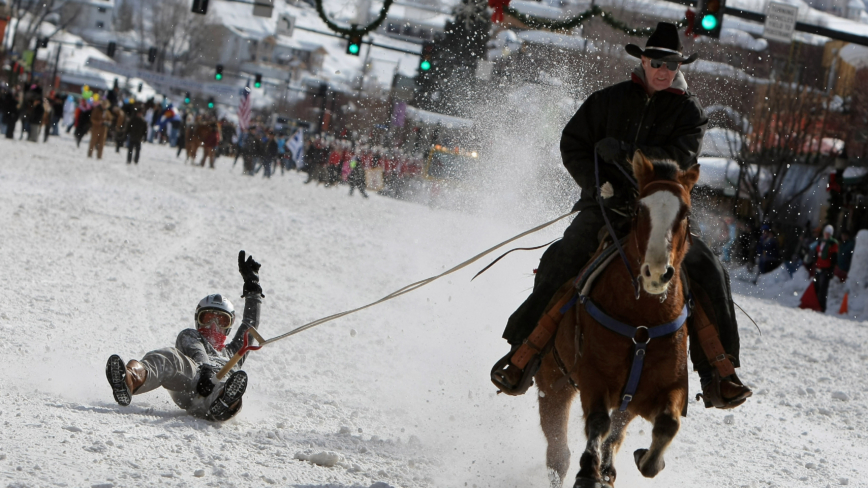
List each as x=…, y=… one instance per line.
x=713, y=398
x=498, y=375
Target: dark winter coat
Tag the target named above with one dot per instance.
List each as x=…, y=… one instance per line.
x=667, y=125
x=192, y=344
x=137, y=129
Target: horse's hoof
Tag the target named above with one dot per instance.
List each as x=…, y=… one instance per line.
x=648, y=471
x=590, y=483
x=637, y=456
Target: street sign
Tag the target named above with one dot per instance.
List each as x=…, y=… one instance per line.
x=263, y=8
x=780, y=22
x=286, y=25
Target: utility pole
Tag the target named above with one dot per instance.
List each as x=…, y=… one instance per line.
x=56, y=63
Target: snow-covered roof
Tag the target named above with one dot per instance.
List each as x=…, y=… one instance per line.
x=416, y=15
x=723, y=143
x=538, y=9
x=96, y=3
x=855, y=55
x=553, y=39
x=738, y=38
x=433, y=118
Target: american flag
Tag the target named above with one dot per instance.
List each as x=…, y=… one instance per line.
x=244, y=108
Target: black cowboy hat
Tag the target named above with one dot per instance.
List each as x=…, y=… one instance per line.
x=663, y=44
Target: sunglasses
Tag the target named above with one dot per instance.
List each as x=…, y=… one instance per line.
x=206, y=317
x=670, y=65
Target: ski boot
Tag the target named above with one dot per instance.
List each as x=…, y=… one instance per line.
x=229, y=402
x=124, y=380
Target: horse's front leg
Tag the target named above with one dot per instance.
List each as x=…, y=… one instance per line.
x=666, y=424
x=612, y=444
x=597, y=425
x=554, y=412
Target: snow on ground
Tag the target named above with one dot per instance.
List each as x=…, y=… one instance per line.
x=100, y=257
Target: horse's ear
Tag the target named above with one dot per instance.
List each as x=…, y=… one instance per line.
x=643, y=170
x=690, y=177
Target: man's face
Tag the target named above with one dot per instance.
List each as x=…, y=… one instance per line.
x=658, y=79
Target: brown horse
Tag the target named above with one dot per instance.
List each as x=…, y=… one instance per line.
x=599, y=360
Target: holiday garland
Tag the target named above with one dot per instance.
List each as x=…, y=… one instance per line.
x=539, y=22
x=529, y=20
x=354, y=30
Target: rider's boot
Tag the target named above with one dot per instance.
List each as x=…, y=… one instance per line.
x=124, y=379
x=722, y=392
x=513, y=374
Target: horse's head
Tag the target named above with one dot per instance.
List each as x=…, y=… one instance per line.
x=660, y=225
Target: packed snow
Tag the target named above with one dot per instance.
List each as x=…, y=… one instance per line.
x=101, y=257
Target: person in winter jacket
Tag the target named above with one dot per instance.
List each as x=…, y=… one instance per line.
x=82, y=120
x=118, y=131
x=69, y=113
x=826, y=260
x=653, y=112
x=356, y=178
x=136, y=130
x=767, y=251
x=101, y=119
x=188, y=370
x=37, y=113
x=209, y=145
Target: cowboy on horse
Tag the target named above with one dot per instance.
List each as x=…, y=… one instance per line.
x=654, y=113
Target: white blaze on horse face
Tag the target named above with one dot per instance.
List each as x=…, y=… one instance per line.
x=663, y=208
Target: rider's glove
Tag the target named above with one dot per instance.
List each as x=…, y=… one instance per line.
x=249, y=270
x=206, y=380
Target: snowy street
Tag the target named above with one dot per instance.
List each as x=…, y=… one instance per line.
x=100, y=257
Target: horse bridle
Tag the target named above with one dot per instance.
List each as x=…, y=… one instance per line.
x=633, y=277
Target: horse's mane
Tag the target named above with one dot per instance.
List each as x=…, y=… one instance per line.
x=666, y=169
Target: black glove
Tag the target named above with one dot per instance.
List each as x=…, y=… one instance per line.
x=612, y=150
x=206, y=383
x=249, y=270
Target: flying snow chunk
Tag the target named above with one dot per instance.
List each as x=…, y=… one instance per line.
x=327, y=459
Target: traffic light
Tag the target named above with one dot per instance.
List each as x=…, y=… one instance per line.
x=187, y=98
x=211, y=102
x=152, y=55
x=257, y=83
x=42, y=42
x=200, y=7
x=110, y=50
x=426, y=56
x=140, y=87
x=354, y=44
x=710, y=18
x=218, y=72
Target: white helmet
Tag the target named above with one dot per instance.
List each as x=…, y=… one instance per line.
x=216, y=302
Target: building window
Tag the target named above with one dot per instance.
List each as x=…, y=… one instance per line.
x=101, y=10
x=100, y=25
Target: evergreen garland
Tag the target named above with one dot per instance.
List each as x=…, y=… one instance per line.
x=529, y=20
x=611, y=21
x=358, y=30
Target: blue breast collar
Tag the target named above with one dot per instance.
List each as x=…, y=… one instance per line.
x=639, y=348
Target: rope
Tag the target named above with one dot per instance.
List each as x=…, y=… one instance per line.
x=414, y=286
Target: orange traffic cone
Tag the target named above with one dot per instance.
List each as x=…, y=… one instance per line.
x=809, y=299
x=843, y=308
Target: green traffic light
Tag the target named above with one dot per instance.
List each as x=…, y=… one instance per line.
x=218, y=77
x=210, y=105
x=709, y=22
x=354, y=49
x=186, y=100
x=425, y=65
x=257, y=85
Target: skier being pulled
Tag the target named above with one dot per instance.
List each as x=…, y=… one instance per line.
x=188, y=370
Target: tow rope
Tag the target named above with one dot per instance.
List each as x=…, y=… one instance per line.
x=407, y=289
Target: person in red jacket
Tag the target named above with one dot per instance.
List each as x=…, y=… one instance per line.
x=826, y=260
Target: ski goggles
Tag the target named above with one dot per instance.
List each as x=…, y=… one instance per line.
x=670, y=65
x=207, y=317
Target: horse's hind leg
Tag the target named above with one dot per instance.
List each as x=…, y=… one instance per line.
x=612, y=444
x=666, y=425
x=597, y=425
x=554, y=413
